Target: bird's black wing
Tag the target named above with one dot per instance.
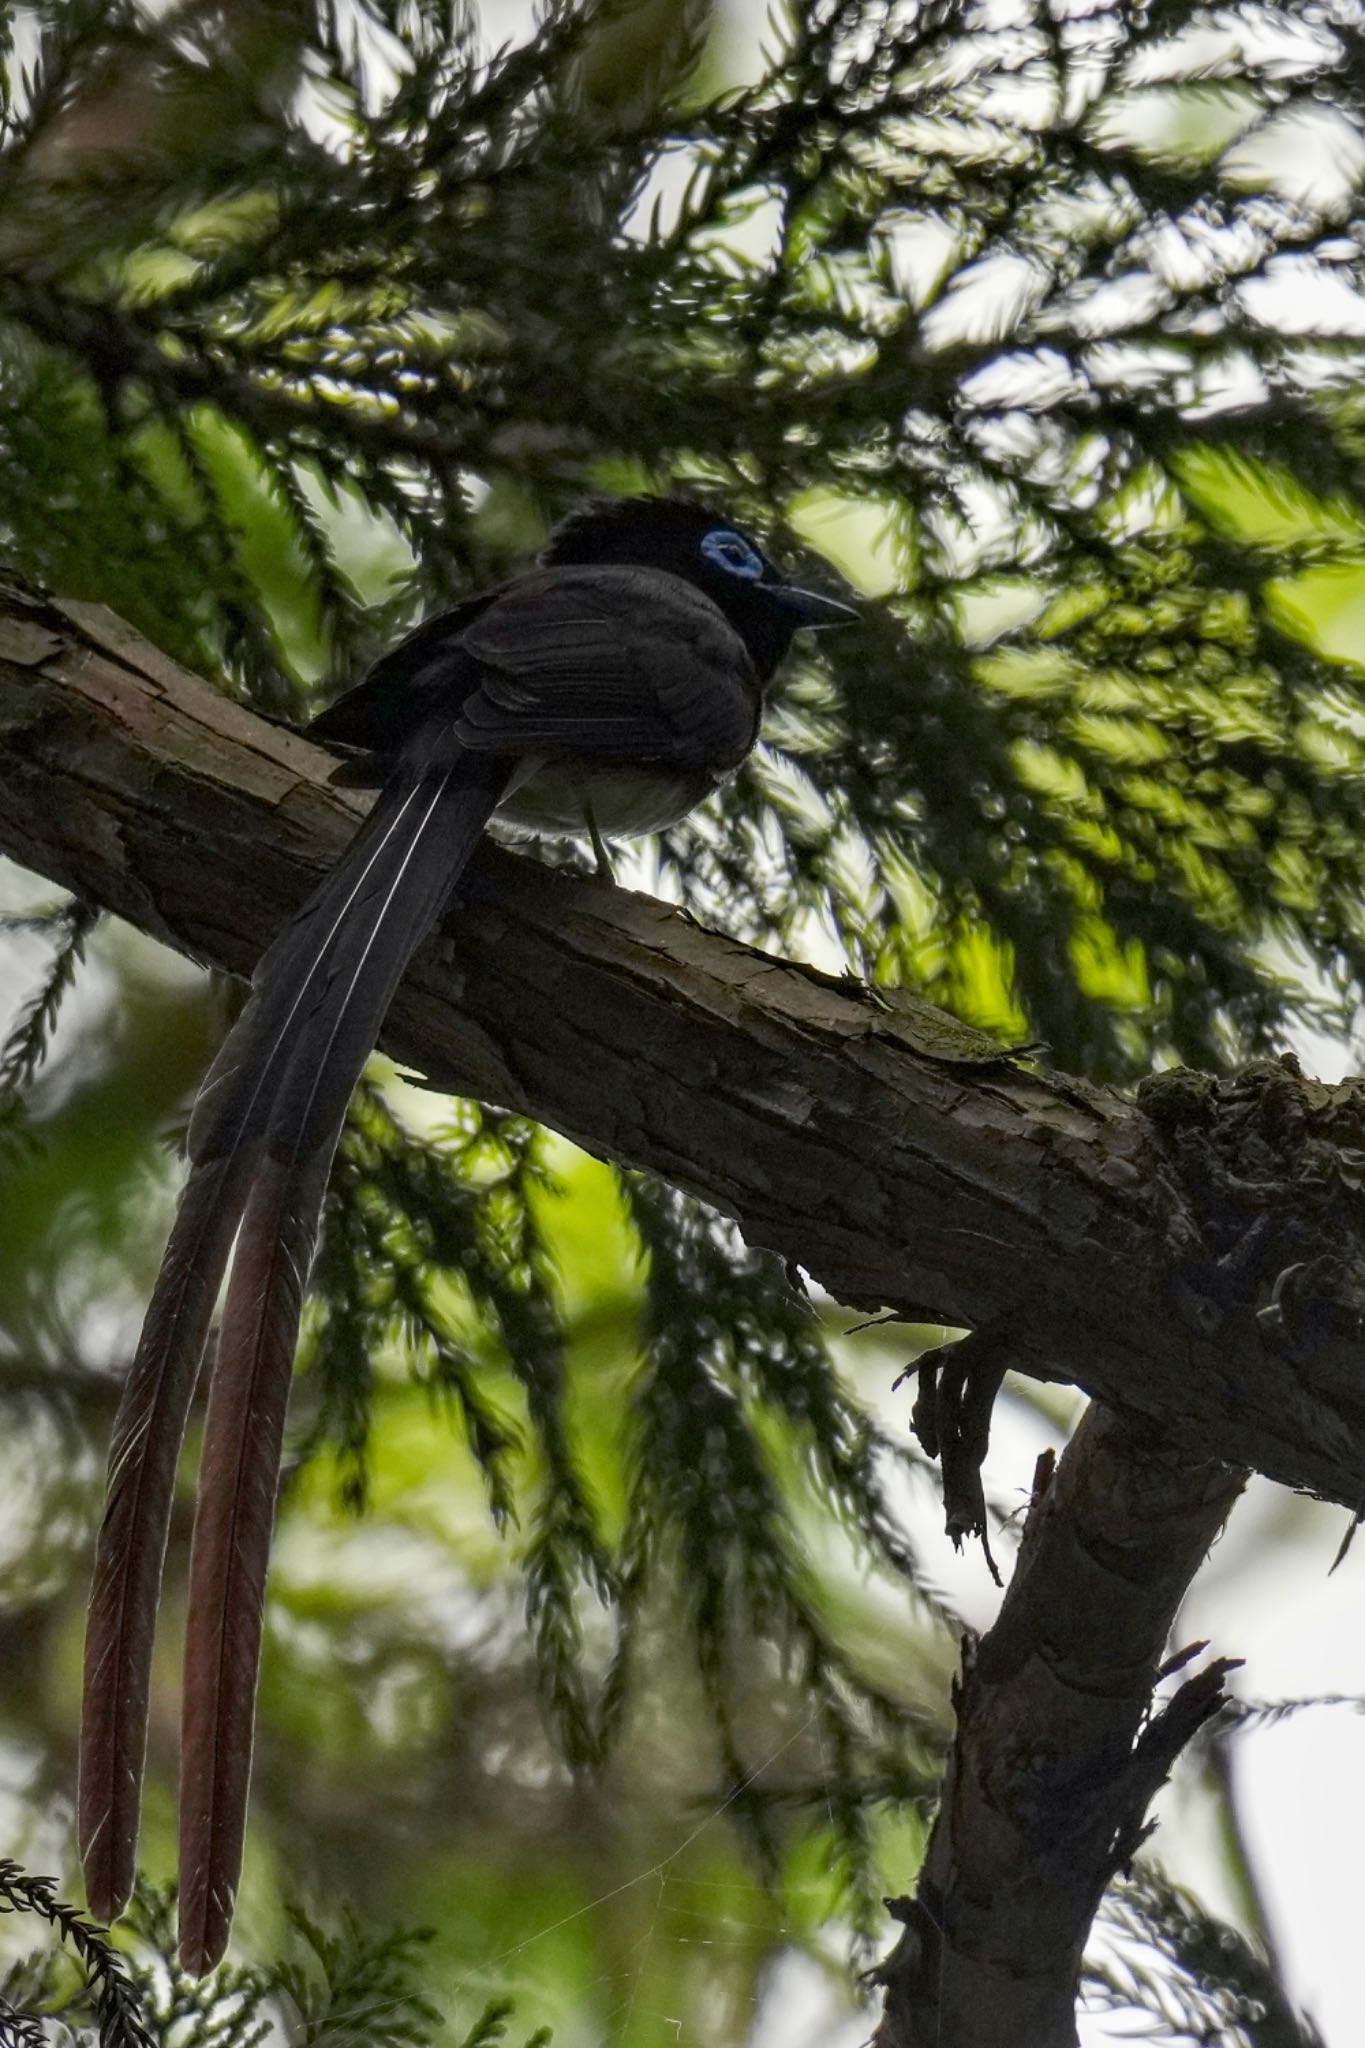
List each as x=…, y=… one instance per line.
x=610, y=663
x=425, y=674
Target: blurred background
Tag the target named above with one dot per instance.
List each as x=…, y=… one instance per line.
x=611, y=1626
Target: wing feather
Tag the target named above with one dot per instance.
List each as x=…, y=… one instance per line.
x=608, y=661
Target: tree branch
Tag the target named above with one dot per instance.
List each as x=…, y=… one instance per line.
x=1055, y=1760
x=1202, y=1265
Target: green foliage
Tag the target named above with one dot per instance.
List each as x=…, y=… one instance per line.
x=1192, y=1975
x=737, y=1384
x=410, y=1221
x=351, y=1984
x=1002, y=282
x=107, y=1990
x=312, y=319
x=328, y=1989
x=26, y=1047
x=735, y=1414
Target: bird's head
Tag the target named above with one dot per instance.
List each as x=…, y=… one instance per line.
x=697, y=542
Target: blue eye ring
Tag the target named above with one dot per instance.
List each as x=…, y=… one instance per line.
x=725, y=549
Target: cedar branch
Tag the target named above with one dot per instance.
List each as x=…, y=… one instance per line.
x=1202, y=1266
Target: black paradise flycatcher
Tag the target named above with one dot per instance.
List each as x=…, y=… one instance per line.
x=612, y=688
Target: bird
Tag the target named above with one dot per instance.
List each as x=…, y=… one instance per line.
x=608, y=688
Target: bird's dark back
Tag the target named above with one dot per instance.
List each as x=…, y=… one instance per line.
x=667, y=534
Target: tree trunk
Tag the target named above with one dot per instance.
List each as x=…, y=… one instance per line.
x=1055, y=1761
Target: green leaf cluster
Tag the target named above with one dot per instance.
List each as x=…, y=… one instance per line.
x=1043, y=324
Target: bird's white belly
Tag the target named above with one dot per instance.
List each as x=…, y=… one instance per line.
x=624, y=801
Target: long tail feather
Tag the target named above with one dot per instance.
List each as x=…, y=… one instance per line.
x=323, y=985
x=332, y=1027
x=235, y=1099
x=131, y=1550
x=232, y=1530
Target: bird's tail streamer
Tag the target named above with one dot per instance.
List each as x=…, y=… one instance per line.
x=262, y=1137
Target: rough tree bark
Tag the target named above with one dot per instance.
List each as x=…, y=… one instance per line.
x=1055, y=1760
x=1197, y=1263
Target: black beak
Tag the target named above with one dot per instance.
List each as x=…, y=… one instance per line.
x=809, y=608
